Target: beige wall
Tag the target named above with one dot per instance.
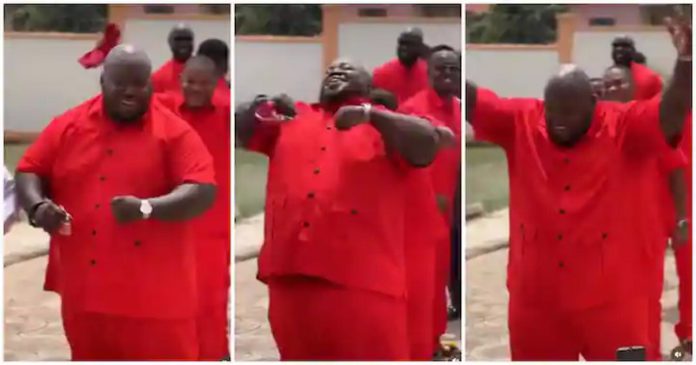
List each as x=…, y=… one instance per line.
x=43, y=77
x=272, y=67
x=518, y=72
x=373, y=44
x=151, y=34
x=592, y=49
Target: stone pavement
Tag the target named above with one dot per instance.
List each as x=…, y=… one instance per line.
x=253, y=339
x=487, y=298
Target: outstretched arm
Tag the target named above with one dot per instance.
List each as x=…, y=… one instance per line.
x=676, y=100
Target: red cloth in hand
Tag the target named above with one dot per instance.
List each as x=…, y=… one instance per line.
x=95, y=57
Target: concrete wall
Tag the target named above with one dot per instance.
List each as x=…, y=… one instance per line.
x=592, y=49
x=511, y=72
x=623, y=14
x=151, y=34
x=270, y=67
x=373, y=44
x=43, y=77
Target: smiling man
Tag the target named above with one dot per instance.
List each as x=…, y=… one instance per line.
x=665, y=202
x=440, y=101
x=407, y=74
x=167, y=78
x=209, y=115
x=333, y=255
x=114, y=182
x=579, y=239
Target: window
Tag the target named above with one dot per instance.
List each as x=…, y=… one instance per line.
x=372, y=12
x=602, y=21
x=221, y=9
x=158, y=9
x=439, y=10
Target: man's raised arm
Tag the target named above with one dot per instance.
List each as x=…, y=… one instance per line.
x=676, y=100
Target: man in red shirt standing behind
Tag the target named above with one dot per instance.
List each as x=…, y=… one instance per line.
x=333, y=255
x=209, y=115
x=578, y=235
x=647, y=83
x=440, y=102
x=407, y=74
x=114, y=182
x=167, y=78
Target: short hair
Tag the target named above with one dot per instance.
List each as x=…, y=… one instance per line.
x=443, y=47
x=638, y=57
x=623, y=41
x=216, y=50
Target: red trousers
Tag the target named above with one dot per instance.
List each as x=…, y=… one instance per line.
x=655, y=304
x=541, y=334
x=683, y=259
x=420, y=276
x=212, y=334
x=442, y=273
x=313, y=319
x=102, y=337
x=213, y=276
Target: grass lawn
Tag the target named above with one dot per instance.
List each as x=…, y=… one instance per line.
x=486, y=177
x=249, y=182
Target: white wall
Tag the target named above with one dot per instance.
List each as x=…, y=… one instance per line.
x=373, y=44
x=592, y=50
x=512, y=73
x=151, y=35
x=43, y=79
x=294, y=68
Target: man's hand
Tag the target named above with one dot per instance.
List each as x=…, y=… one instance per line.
x=445, y=136
x=680, y=32
x=50, y=216
x=285, y=105
x=126, y=209
x=349, y=116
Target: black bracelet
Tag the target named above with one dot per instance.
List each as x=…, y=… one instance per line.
x=32, y=212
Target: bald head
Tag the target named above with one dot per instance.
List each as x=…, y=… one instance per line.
x=569, y=104
x=413, y=32
x=180, y=41
x=127, y=54
x=344, y=79
x=410, y=46
x=125, y=83
x=622, y=49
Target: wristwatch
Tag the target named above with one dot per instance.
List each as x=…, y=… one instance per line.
x=367, y=108
x=145, y=208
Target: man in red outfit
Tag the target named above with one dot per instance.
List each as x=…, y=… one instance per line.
x=647, y=83
x=333, y=256
x=209, y=115
x=114, y=181
x=439, y=101
x=665, y=184
x=168, y=77
x=407, y=74
x=578, y=235
x=683, y=252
